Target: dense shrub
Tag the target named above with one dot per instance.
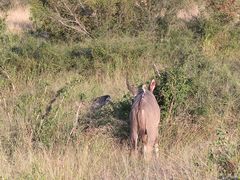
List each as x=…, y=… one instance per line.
x=2, y=25
x=221, y=153
x=76, y=20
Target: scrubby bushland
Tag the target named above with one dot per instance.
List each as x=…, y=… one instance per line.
x=76, y=20
x=47, y=129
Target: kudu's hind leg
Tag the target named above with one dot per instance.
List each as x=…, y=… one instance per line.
x=147, y=148
x=134, y=141
x=147, y=151
x=156, y=150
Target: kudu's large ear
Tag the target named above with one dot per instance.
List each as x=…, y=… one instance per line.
x=131, y=88
x=152, y=85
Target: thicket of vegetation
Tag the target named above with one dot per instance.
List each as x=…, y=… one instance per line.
x=78, y=50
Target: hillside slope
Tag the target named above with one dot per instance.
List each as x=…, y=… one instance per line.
x=50, y=75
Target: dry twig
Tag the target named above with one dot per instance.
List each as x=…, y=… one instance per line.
x=6, y=75
x=72, y=22
x=170, y=110
x=75, y=123
x=156, y=70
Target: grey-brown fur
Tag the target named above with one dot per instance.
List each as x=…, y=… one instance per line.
x=144, y=120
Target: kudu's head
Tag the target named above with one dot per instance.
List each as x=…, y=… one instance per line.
x=135, y=91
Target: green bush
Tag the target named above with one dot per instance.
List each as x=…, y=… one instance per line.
x=175, y=87
x=222, y=153
x=2, y=26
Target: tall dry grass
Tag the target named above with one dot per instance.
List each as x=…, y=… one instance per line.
x=101, y=158
x=97, y=153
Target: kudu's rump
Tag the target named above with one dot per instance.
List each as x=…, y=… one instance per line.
x=144, y=120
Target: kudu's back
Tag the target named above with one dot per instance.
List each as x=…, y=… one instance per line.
x=144, y=120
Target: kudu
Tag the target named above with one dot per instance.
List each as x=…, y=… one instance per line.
x=144, y=119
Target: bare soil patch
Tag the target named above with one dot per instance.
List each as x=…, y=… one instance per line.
x=18, y=19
